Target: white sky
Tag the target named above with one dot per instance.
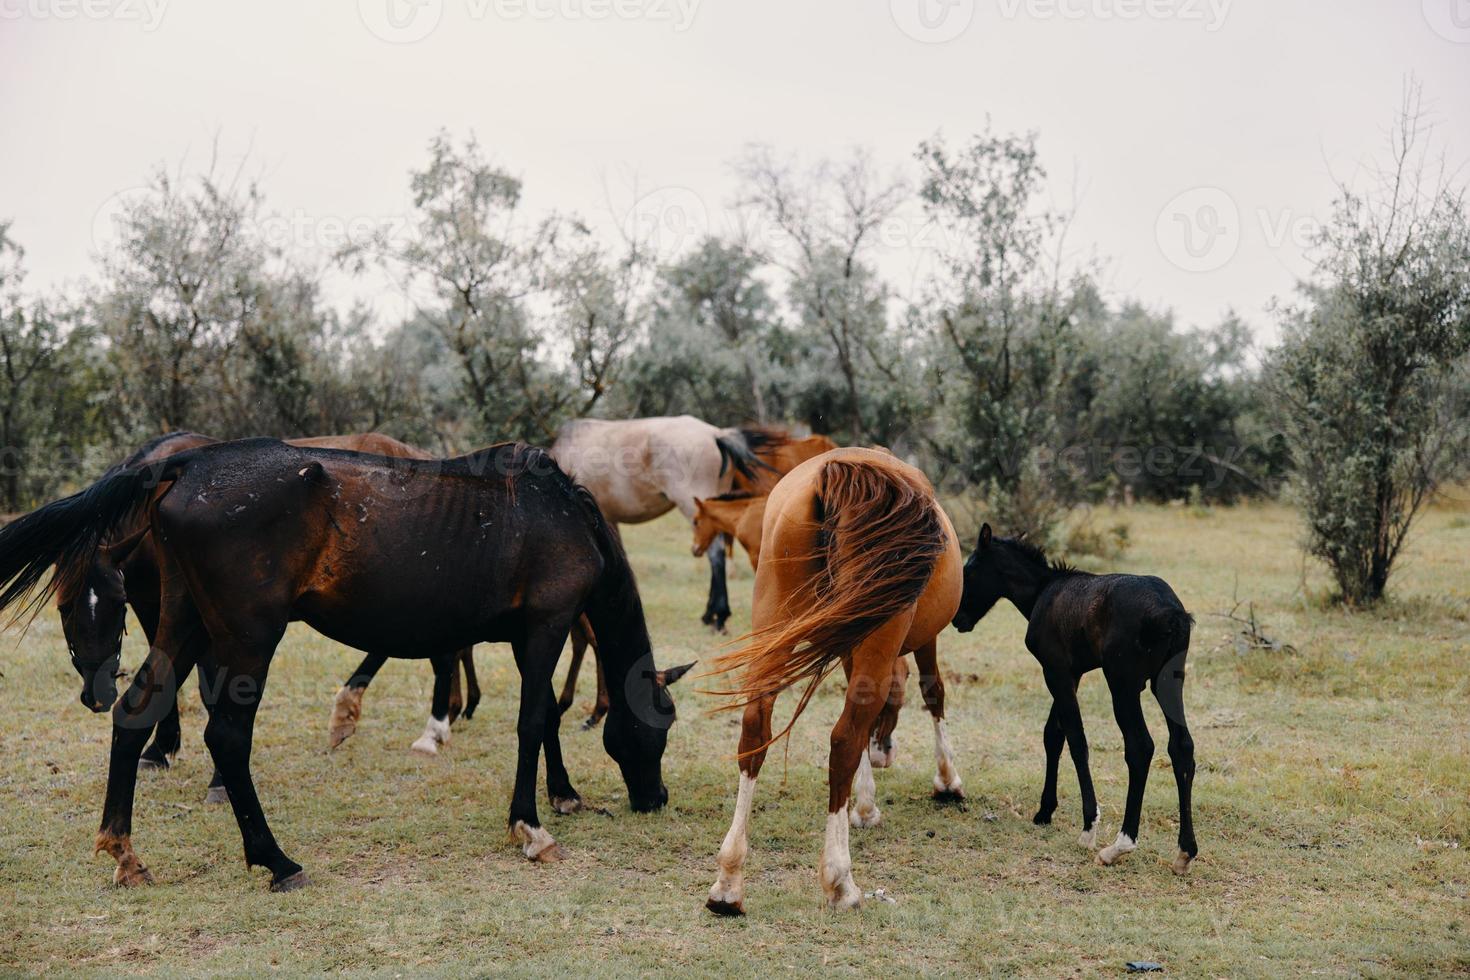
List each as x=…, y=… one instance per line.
x=1136, y=102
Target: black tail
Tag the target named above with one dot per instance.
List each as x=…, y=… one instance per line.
x=65, y=533
x=737, y=453
x=1167, y=633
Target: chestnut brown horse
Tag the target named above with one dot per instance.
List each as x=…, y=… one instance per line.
x=125, y=573
x=868, y=569
x=405, y=558
x=735, y=516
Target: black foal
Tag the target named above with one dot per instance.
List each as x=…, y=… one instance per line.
x=1133, y=627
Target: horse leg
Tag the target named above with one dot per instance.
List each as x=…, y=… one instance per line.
x=1138, y=751
x=456, y=692
x=167, y=738
x=436, y=731
x=1063, y=689
x=864, y=811
x=948, y=787
x=471, y=683
x=882, y=747
x=536, y=655
x=1052, y=738
x=574, y=667
x=600, y=707
x=347, y=708
x=239, y=674
x=717, y=610
x=564, y=799
x=153, y=689
x=872, y=673
x=1169, y=692
x=727, y=894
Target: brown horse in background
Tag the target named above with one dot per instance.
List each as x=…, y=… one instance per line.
x=869, y=570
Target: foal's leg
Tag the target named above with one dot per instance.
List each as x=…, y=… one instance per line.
x=947, y=783
x=599, y=708
x=238, y=671
x=727, y=894
x=574, y=667
x=872, y=673
x=456, y=692
x=471, y=682
x=1138, y=751
x=1169, y=692
x=1063, y=689
x=536, y=654
x=153, y=688
x=347, y=709
x=1053, y=738
x=436, y=731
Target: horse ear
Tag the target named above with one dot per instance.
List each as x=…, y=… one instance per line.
x=667, y=677
x=985, y=536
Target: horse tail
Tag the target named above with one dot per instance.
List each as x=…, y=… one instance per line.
x=66, y=533
x=1166, y=633
x=735, y=451
x=877, y=543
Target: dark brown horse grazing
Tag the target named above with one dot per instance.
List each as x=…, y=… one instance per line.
x=403, y=558
x=1133, y=627
x=124, y=573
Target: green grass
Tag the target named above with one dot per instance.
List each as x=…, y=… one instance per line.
x=1332, y=807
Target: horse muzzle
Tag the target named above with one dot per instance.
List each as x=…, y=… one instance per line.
x=650, y=804
x=963, y=622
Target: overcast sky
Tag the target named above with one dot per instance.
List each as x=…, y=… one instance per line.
x=1198, y=137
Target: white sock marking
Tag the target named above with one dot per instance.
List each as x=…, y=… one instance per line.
x=836, y=869
x=947, y=778
x=864, y=811
x=729, y=887
x=1123, y=845
x=533, y=840
x=436, y=733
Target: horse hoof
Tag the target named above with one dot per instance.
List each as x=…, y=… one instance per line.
x=1115, y=851
x=1088, y=838
x=291, y=882
x=146, y=764
x=549, y=855
x=952, y=796
x=864, y=820
x=1042, y=818
x=728, y=909
x=132, y=876
x=1182, y=863
x=590, y=723
x=217, y=794
x=425, y=745
x=845, y=899
x=566, y=804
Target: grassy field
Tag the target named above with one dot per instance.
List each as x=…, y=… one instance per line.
x=1332, y=807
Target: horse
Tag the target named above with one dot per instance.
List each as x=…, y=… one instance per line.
x=1132, y=626
x=405, y=558
x=780, y=453
x=740, y=515
x=640, y=469
x=868, y=568
x=124, y=573
x=733, y=516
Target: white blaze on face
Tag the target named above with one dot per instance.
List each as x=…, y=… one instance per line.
x=865, y=812
x=436, y=733
x=947, y=778
x=92, y=602
x=729, y=887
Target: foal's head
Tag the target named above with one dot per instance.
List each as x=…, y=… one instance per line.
x=637, y=730
x=716, y=516
x=998, y=568
x=93, y=609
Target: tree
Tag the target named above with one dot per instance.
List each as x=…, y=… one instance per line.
x=817, y=226
x=1366, y=376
